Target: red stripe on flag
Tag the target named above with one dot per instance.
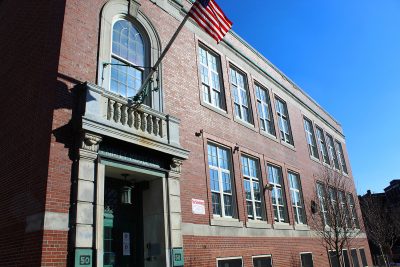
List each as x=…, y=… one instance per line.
x=207, y=24
x=211, y=19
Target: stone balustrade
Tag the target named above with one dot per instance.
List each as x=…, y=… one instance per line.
x=106, y=110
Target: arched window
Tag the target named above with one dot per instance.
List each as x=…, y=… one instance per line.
x=127, y=58
x=131, y=44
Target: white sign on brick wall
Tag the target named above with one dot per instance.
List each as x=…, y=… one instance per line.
x=198, y=206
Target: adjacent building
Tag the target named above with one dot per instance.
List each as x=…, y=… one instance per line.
x=389, y=205
x=216, y=168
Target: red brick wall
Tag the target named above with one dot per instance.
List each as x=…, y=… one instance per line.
x=285, y=252
x=30, y=42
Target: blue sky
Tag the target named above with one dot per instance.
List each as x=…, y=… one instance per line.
x=344, y=54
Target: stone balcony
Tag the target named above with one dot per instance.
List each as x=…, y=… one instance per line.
x=108, y=114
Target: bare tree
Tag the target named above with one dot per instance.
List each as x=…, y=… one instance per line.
x=381, y=224
x=334, y=215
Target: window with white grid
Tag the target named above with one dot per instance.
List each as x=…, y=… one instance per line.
x=283, y=121
x=127, y=58
x=353, y=211
x=322, y=145
x=332, y=151
x=264, y=110
x=278, y=194
x=252, y=187
x=219, y=164
x=344, y=208
x=210, y=70
x=297, y=198
x=341, y=156
x=312, y=144
x=240, y=95
x=321, y=193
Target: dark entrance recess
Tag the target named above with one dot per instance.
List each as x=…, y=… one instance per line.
x=123, y=226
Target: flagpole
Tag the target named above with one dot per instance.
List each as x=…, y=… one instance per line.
x=154, y=68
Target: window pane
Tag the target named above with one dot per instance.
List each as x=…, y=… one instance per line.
x=214, y=180
x=262, y=262
x=307, y=260
x=228, y=205
x=333, y=258
x=240, y=95
x=354, y=257
x=346, y=259
x=210, y=76
x=230, y=263
x=216, y=202
x=363, y=258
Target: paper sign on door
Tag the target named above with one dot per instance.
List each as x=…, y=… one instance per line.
x=126, y=244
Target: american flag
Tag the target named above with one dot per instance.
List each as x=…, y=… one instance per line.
x=210, y=17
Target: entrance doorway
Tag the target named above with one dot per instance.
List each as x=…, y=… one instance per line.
x=123, y=225
x=134, y=228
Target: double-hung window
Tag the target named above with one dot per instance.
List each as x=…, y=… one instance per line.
x=210, y=78
x=127, y=58
x=278, y=194
x=321, y=193
x=240, y=95
x=346, y=220
x=341, y=156
x=352, y=207
x=230, y=262
x=252, y=185
x=332, y=151
x=283, y=121
x=312, y=144
x=322, y=145
x=307, y=259
x=264, y=110
x=220, y=180
x=297, y=198
x=262, y=261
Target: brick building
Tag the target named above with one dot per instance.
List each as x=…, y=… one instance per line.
x=94, y=181
x=388, y=204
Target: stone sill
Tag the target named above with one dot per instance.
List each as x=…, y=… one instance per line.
x=226, y=222
x=283, y=226
x=258, y=224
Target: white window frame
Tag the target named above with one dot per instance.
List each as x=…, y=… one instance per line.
x=348, y=256
x=341, y=158
x=322, y=200
x=329, y=257
x=126, y=61
x=275, y=202
x=312, y=257
x=365, y=254
x=209, y=87
x=221, y=170
x=343, y=204
x=228, y=258
x=115, y=10
x=358, y=259
x=332, y=152
x=239, y=90
x=252, y=180
x=352, y=207
x=293, y=191
x=310, y=137
x=262, y=256
x=267, y=119
x=283, y=116
x=322, y=145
